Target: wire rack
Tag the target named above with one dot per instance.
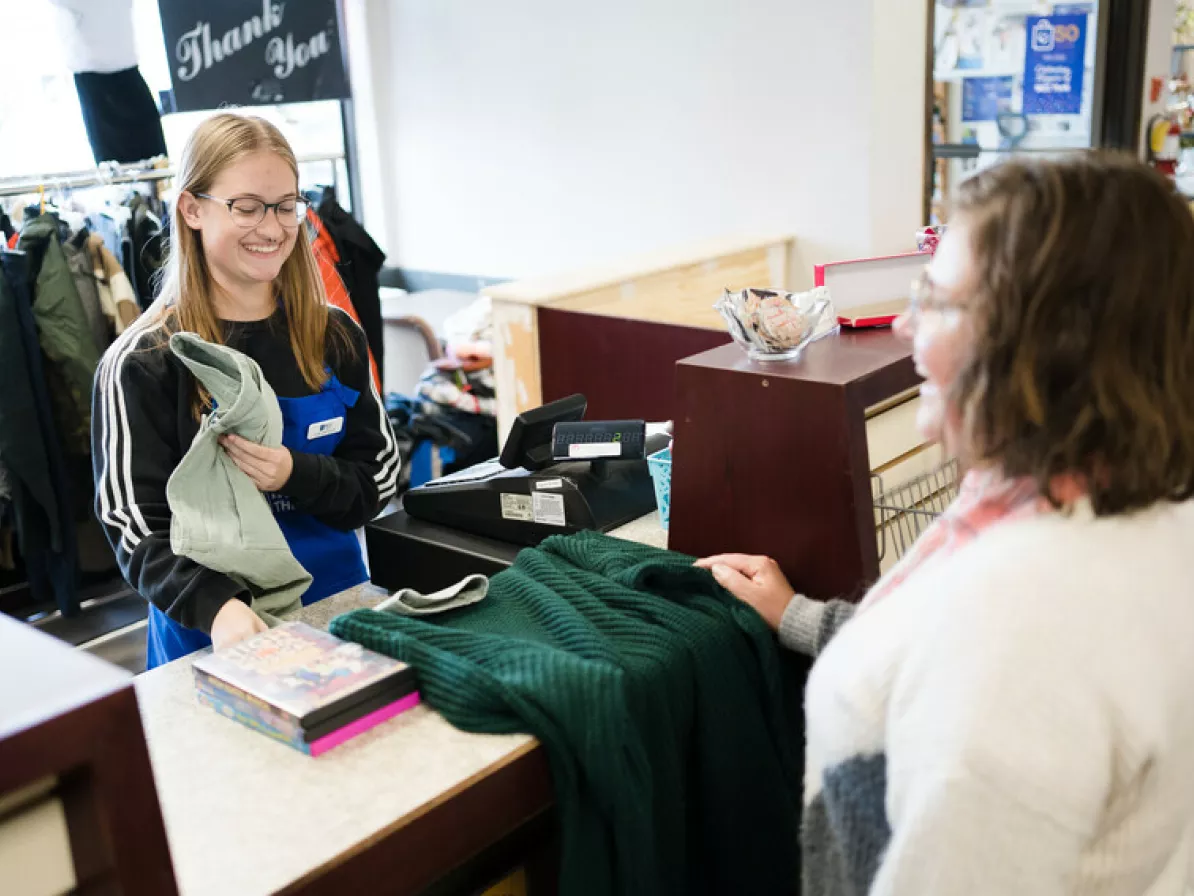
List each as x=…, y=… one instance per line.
x=110, y=173
x=904, y=511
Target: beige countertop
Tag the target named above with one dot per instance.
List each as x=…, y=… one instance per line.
x=246, y=815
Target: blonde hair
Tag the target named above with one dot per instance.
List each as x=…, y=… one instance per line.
x=186, y=301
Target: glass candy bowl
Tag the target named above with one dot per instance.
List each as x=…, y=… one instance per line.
x=771, y=325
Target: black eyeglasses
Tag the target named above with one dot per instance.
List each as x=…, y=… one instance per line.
x=247, y=212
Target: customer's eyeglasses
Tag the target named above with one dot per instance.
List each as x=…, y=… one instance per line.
x=925, y=296
x=247, y=212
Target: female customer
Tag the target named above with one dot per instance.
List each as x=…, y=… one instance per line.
x=240, y=272
x=1009, y=710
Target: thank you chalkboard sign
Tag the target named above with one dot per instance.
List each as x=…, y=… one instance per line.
x=252, y=52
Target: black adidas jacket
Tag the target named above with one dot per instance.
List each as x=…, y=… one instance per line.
x=142, y=425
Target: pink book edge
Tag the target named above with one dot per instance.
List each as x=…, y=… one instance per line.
x=863, y=323
x=833, y=264
x=363, y=724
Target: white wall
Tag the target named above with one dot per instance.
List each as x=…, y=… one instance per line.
x=366, y=34
x=529, y=136
x=898, y=119
x=1158, y=56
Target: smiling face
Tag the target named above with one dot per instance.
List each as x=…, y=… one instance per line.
x=942, y=335
x=244, y=261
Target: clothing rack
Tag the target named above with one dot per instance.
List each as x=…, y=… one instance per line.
x=111, y=173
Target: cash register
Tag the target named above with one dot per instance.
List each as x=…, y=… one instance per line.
x=557, y=474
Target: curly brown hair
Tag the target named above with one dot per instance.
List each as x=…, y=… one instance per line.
x=1083, y=361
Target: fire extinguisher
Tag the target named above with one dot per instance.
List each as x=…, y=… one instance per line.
x=1164, y=144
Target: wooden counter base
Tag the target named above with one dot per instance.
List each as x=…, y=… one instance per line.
x=412, y=806
x=507, y=806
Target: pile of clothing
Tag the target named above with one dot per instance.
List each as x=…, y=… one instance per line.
x=433, y=442
x=450, y=423
x=462, y=380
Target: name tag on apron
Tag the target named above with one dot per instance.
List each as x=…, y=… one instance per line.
x=325, y=428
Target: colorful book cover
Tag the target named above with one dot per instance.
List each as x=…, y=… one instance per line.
x=238, y=712
x=305, y=674
x=265, y=716
x=222, y=692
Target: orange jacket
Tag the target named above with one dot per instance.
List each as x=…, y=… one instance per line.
x=326, y=257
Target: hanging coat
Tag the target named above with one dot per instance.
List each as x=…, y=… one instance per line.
x=22, y=444
x=31, y=449
x=63, y=332
x=78, y=260
x=326, y=258
x=360, y=262
x=117, y=298
x=148, y=248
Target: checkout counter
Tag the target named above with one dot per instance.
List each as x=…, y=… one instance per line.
x=414, y=806
x=414, y=803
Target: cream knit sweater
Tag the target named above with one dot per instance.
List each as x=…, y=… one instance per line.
x=1016, y=719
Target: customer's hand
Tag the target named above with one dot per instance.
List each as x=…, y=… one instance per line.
x=235, y=622
x=269, y=468
x=756, y=581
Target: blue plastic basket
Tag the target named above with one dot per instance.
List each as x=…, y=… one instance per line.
x=660, y=464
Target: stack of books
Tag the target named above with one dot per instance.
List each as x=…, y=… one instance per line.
x=304, y=687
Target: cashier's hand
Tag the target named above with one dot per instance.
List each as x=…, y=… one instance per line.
x=269, y=468
x=757, y=581
x=234, y=623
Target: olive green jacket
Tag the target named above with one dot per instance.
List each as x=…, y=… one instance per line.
x=64, y=333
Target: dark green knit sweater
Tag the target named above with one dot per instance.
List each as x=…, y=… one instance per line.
x=670, y=720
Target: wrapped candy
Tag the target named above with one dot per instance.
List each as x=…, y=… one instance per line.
x=772, y=325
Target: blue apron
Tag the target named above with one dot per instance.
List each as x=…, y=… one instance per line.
x=333, y=557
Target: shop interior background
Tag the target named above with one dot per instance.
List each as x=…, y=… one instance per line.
x=500, y=141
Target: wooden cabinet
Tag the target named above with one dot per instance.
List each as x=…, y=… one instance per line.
x=779, y=459
x=78, y=805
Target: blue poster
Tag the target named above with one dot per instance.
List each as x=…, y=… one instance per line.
x=1054, y=65
x=984, y=98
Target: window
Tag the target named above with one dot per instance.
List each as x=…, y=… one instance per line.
x=41, y=126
